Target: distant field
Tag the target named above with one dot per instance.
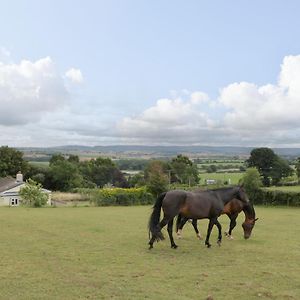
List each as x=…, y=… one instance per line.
x=234, y=177
x=295, y=188
x=102, y=253
x=42, y=164
x=222, y=163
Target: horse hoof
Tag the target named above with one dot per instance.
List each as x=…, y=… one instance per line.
x=226, y=233
x=219, y=243
x=199, y=237
x=208, y=245
x=174, y=246
x=179, y=237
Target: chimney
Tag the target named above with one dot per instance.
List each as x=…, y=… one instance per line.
x=19, y=177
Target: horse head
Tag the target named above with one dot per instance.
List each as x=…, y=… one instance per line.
x=248, y=226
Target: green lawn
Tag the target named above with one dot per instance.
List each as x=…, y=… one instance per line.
x=102, y=253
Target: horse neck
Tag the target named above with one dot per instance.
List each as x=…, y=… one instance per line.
x=249, y=212
x=230, y=195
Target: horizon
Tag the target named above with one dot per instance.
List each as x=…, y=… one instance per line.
x=150, y=74
x=153, y=146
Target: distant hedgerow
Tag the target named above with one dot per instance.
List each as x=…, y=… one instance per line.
x=119, y=196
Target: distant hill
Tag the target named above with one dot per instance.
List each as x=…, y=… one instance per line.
x=158, y=151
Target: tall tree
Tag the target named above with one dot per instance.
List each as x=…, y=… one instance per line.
x=262, y=159
x=56, y=158
x=269, y=165
x=65, y=175
x=184, y=170
x=101, y=171
x=298, y=169
x=280, y=169
x=251, y=180
x=73, y=159
x=11, y=162
x=156, y=177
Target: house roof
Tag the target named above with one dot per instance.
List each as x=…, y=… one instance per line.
x=7, y=183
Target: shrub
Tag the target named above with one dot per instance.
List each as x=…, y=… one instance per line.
x=32, y=194
x=267, y=197
x=119, y=196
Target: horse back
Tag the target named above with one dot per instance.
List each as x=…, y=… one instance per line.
x=173, y=201
x=202, y=205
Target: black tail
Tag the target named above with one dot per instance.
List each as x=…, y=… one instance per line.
x=155, y=217
x=178, y=220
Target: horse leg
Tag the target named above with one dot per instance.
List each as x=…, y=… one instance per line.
x=220, y=232
x=170, y=232
x=178, y=220
x=231, y=225
x=209, y=228
x=180, y=225
x=194, y=223
x=162, y=223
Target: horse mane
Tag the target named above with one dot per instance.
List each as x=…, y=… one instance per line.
x=249, y=210
x=223, y=189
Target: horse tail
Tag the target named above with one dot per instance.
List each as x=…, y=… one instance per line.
x=178, y=220
x=155, y=217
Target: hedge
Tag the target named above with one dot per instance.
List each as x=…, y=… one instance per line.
x=119, y=196
x=140, y=196
x=267, y=197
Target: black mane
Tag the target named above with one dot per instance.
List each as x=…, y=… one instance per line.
x=223, y=189
x=249, y=210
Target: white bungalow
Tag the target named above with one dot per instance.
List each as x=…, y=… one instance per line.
x=9, y=191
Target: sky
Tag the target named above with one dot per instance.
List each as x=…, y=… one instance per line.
x=159, y=72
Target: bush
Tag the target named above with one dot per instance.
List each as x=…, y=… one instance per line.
x=32, y=194
x=119, y=196
x=267, y=197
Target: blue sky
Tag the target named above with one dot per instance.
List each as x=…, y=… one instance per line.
x=149, y=72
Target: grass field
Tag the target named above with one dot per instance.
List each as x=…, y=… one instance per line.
x=222, y=163
x=102, y=253
x=295, y=188
x=234, y=177
x=40, y=164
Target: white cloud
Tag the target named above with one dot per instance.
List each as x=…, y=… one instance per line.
x=29, y=89
x=243, y=114
x=74, y=75
x=36, y=108
x=268, y=107
x=199, y=97
x=169, y=121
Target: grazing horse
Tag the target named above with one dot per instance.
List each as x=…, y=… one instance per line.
x=201, y=205
x=231, y=209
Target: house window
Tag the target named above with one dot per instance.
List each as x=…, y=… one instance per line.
x=14, y=201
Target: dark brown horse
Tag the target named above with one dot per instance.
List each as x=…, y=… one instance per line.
x=201, y=205
x=231, y=209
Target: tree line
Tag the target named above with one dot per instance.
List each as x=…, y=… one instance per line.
x=67, y=172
